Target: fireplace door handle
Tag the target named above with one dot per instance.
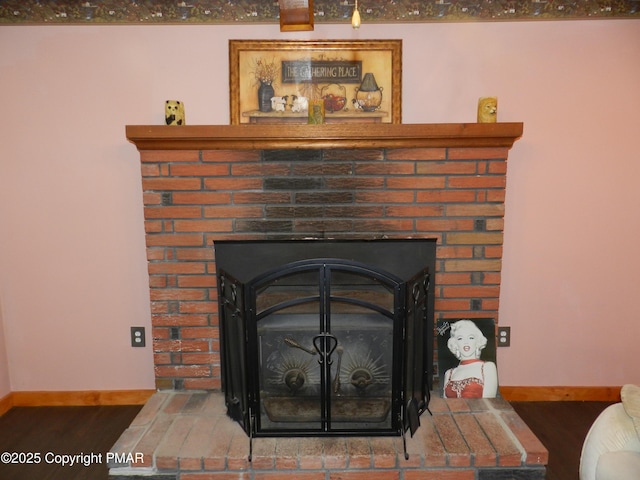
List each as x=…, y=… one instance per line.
x=319, y=342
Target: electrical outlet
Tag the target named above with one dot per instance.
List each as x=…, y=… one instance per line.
x=137, y=337
x=504, y=336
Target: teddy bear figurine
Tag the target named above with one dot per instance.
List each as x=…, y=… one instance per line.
x=174, y=112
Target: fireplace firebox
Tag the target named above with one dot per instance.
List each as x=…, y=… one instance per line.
x=326, y=337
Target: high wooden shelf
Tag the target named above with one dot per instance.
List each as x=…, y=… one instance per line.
x=255, y=137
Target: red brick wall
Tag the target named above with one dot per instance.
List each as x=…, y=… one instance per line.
x=193, y=198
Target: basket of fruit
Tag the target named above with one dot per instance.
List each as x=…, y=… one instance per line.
x=334, y=96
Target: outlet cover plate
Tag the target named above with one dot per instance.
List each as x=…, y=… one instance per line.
x=504, y=336
x=137, y=337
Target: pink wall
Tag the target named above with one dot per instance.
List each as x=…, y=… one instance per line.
x=73, y=270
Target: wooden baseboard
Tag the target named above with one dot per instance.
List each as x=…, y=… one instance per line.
x=140, y=397
x=6, y=403
x=79, y=398
x=546, y=394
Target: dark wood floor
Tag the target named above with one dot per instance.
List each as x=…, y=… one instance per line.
x=50, y=431
x=562, y=428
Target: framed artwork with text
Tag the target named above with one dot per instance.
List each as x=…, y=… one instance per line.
x=288, y=81
x=467, y=358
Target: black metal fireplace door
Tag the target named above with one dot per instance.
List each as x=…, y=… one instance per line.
x=325, y=347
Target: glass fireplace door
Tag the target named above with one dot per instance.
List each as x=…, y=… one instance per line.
x=288, y=372
x=361, y=316
x=325, y=348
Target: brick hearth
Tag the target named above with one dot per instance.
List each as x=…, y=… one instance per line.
x=188, y=436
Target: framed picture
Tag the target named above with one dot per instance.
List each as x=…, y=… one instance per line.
x=296, y=15
x=298, y=81
x=467, y=358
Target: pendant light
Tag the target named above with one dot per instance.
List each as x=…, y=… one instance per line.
x=355, y=18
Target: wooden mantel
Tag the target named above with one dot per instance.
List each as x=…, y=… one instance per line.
x=215, y=137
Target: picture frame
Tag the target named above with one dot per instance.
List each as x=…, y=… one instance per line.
x=446, y=359
x=353, y=81
x=296, y=15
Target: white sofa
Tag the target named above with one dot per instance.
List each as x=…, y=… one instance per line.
x=611, y=450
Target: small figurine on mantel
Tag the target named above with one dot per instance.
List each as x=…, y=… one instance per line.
x=316, y=112
x=487, y=109
x=174, y=112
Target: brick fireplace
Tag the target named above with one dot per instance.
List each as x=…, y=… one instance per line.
x=204, y=184
x=208, y=183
